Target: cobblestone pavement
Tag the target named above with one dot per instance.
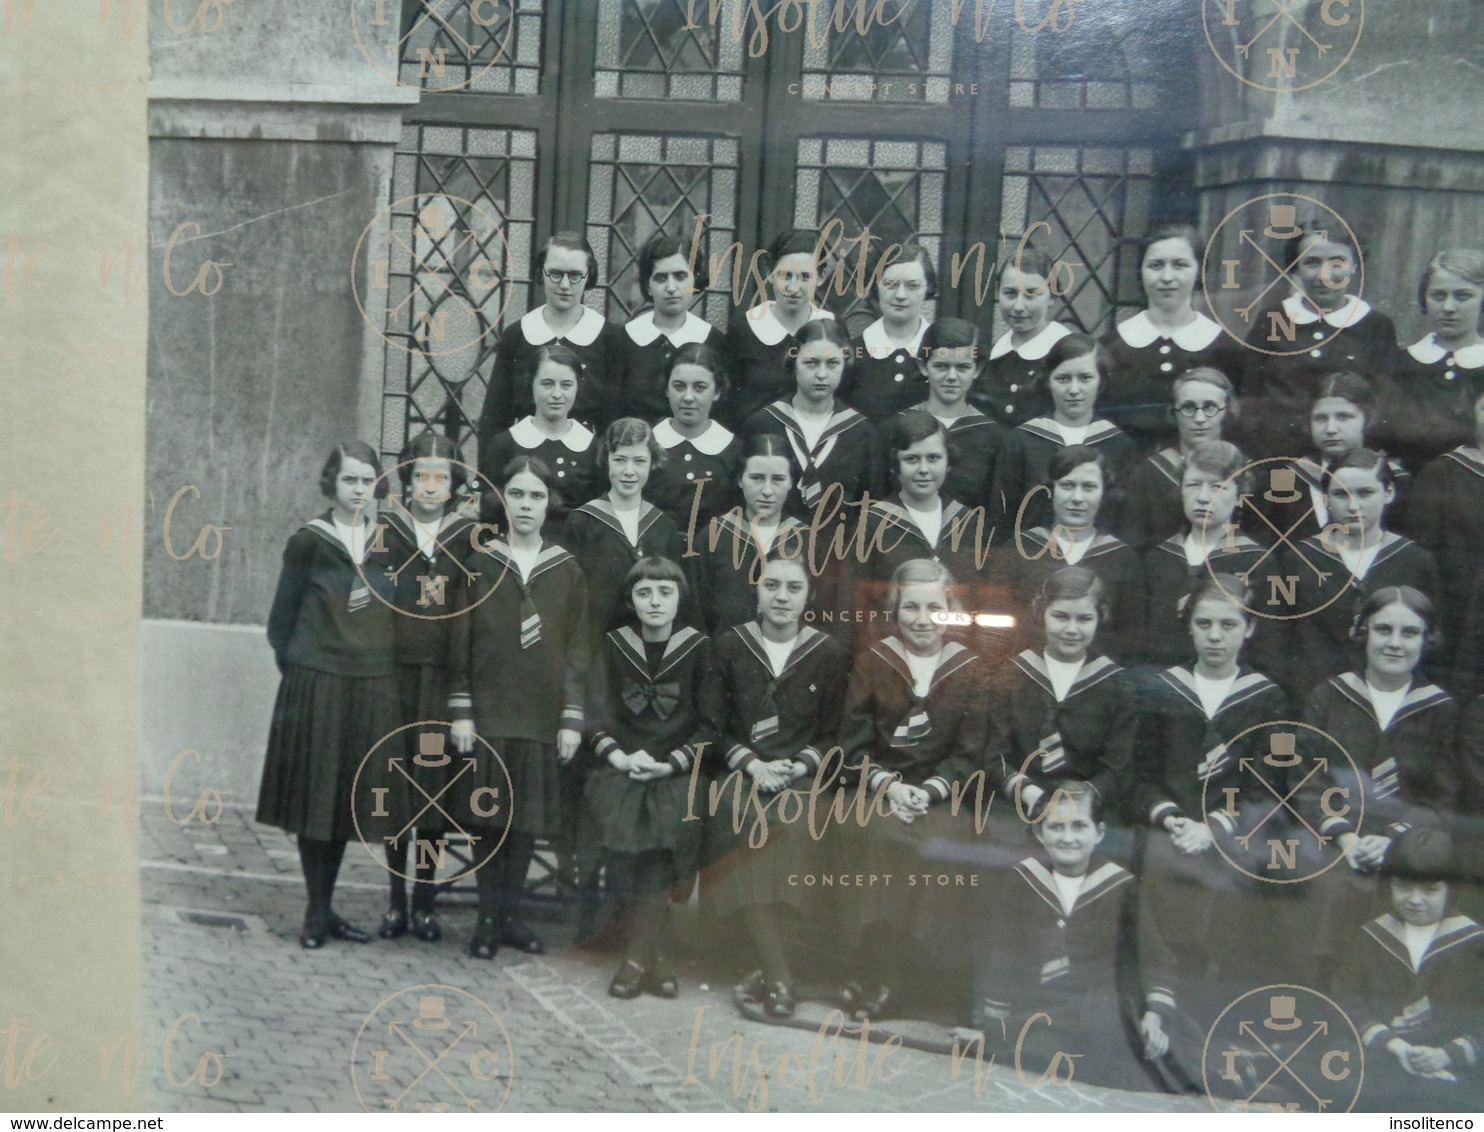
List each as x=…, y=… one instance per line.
x=243, y=1019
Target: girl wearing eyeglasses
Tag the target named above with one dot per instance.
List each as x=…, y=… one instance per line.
x=886, y=377
x=1204, y=403
x=564, y=268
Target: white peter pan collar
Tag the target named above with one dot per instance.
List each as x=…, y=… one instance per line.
x=767, y=329
x=710, y=443
x=525, y=433
x=538, y=331
x=879, y=346
x=643, y=331
x=1034, y=350
x=1428, y=351
x=1348, y=315
x=1140, y=331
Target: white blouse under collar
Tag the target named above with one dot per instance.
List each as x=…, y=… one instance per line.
x=643, y=331
x=879, y=346
x=579, y=438
x=767, y=329
x=1140, y=331
x=712, y=442
x=1351, y=312
x=538, y=331
x=1034, y=350
x=1428, y=352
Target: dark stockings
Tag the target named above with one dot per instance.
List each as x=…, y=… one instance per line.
x=320, y=861
x=501, y=880
x=647, y=907
x=423, y=889
x=767, y=941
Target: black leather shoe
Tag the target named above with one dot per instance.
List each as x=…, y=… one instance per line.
x=851, y=996
x=344, y=929
x=313, y=934
x=779, y=1000
x=486, y=941
x=628, y=980
x=393, y=923
x=426, y=927
x=661, y=980
x=870, y=1009
x=517, y=935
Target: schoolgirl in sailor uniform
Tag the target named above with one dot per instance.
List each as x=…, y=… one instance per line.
x=519, y=658
x=1065, y=941
x=564, y=268
x=1079, y=480
x=953, y=365
x=609, y=534
x=759, y=336
x=780, y=690
x=913, y=730
x=549, y=434
x=1155, y=346
x=1204, y=402
x=1010, y=392
x=1400, y=735
x=1076, y=374
x=1428, y=400
x=696, y=481
x=1358, y=556
x=432, y=548
x=1212, y=484
x=331, y=629
x=728, y=563
x=1410, y=983
x=832, y=443
x=651, y=339
x=1197, y=721
x=1341, y=331
x=885, y=375
x=652, y=720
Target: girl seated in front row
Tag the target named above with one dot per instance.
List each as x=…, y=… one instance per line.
x=650, y=723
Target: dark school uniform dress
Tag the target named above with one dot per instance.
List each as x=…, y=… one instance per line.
x=1435, y=1003
x=727, y=568
x=332, y=632
x=847, y=452
x=593, y=339
x=1303, y=512
x=793, y=714
x=1010, y=391
x=596, y=537
x=431, y=579
x=1167, y=573
x=883, y=378
x=1024, y=466
x=1152, y=509
x=935, y=741
x=1146, y=362
x=518, y=661
x=1427, y=400
x=698, y=479
x=1319, y=643
x=976, y=441
x=572, y=460
x=651, y=697
x=1095, y=969
x=1445, y=514
x=1281, y=385
x=756, y=347
x=1022, y=565
x=644, y=355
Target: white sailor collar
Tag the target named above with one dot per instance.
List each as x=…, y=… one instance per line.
x=1034, y=350
x=712, y=442
x=538, y=331
x=879, y=346
x=765, y=326
x=1428, y=352
x=1140, y=331
x=1349, y=314
x=642, y=330
x=524, y=432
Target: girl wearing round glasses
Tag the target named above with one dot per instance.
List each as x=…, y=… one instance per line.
x=652, y=338
x=886, y=377
x=759, y=336
x=1009, y=393
x=564, y=268
x=1204, y=403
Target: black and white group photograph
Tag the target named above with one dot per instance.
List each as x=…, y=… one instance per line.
x=818, y=555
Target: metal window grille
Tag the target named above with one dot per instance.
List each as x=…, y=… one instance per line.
x=668, y=49
x=476, y=46
x=907, y=57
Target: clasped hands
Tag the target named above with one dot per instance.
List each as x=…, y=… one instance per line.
x=1189, y=837
x=908, y=803
x=775, y=774
x=641, y=765
x=1420, y=1061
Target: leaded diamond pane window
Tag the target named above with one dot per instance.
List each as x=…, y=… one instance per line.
x=905, y=57
x=480, y=46
x=894, y=189
x=669, y=49
x=457, y=268
x=642, y=184
x=1085, y=206
x=1099, y=62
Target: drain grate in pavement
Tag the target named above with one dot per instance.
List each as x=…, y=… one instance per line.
x=214, y=920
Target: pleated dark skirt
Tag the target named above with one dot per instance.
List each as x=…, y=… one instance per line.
x=529, y=801
x=740, y=875
x=423, y=693
x=323, y=727
x=646, y=817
